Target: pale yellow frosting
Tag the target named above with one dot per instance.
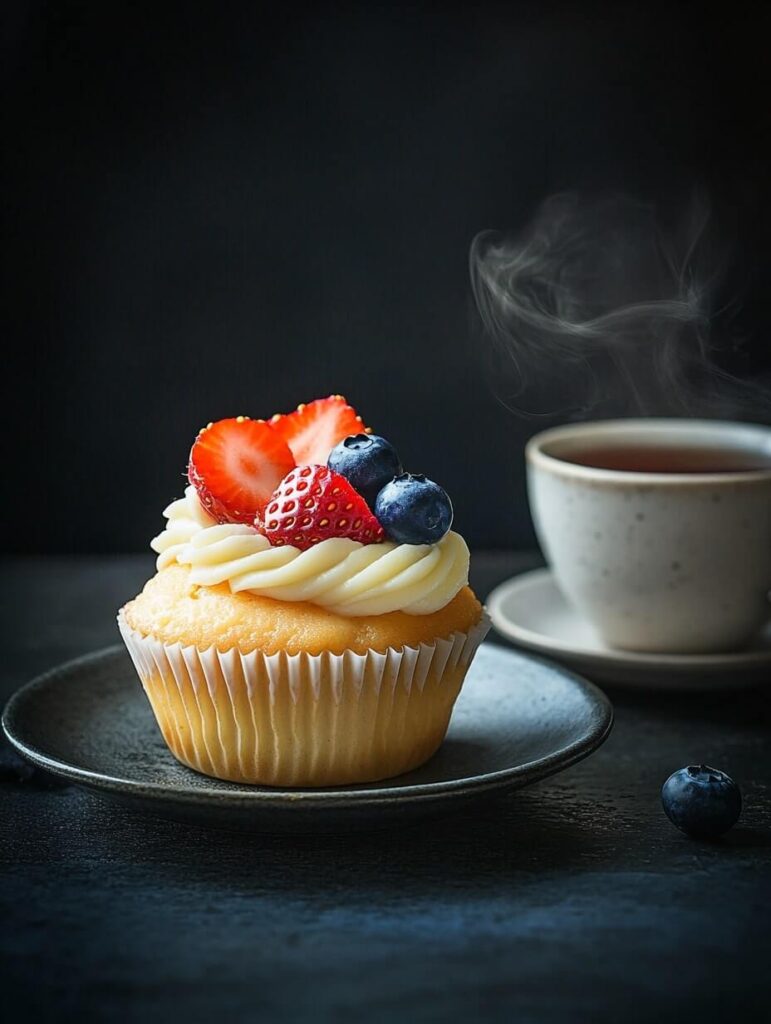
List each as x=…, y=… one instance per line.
x=338, y=574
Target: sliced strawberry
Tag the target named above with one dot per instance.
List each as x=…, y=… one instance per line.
x=235, y=465
x=313, y=430
x=312, y=504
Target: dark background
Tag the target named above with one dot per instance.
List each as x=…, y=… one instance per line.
x=221, y=209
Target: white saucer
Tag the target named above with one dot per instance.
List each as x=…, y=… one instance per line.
x=531, y=611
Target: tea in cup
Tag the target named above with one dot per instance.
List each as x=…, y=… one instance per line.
x=658, y=530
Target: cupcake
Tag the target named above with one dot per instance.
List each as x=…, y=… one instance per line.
x=310, y=622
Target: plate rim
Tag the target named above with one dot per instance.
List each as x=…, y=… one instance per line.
x=332, y=797
x=545, y=644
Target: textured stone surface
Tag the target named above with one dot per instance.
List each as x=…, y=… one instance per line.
x=573, y=900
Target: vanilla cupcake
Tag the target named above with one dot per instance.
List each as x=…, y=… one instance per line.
x=310, y=623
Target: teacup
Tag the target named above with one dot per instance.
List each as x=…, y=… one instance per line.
x=663, y=540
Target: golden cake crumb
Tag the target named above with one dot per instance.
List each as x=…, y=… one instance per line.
x=172, y=609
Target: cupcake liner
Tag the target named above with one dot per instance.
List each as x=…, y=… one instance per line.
x=302, y=719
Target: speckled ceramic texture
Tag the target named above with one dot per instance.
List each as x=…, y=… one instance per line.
x=531, y=611
x=517, y=720
x=657, y=562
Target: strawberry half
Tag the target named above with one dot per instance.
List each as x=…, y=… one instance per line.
x=314, y=503
x=313, y=430
x=235, y=465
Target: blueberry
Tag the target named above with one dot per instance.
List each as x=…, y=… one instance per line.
x=413, y=510
x=14, y=768
x=701, y=801
x=367, y=462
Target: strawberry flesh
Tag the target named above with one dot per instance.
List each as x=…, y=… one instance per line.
x=235, y=465
x=313, y=430
x=312, y=504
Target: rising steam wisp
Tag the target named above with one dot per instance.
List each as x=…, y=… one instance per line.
x=594, y=304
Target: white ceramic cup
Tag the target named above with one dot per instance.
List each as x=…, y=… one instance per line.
x=668, y=562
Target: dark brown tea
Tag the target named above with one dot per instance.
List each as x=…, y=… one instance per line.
x=663, y=459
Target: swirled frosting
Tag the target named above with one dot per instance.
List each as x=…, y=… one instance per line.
x=339, y=574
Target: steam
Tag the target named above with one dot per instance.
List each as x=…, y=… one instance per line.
x=597, y=305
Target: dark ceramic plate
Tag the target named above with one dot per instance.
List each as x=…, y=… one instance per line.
x=517, y=720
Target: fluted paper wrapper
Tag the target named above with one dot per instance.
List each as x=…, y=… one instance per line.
x=301, y=719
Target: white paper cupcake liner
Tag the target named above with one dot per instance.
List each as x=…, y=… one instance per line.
x=301, y=719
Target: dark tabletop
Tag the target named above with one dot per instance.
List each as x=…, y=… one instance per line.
x=574, y=900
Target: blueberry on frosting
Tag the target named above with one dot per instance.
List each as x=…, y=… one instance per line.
x=367, y=461
x=414, y=510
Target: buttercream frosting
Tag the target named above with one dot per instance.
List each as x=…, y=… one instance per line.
x=339, y=574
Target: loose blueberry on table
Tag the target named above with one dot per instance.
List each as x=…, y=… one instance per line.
x=14, y=768
x=701, y=801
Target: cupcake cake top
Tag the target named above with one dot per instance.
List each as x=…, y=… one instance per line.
x=312, y=506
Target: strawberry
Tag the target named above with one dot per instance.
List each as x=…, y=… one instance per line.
x=313, y=430
x=235, y=465
x=312, y=504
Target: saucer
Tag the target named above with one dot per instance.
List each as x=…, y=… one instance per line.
x=517, y=720
x=531, y=611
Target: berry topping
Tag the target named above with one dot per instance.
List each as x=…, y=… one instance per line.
x=701, y=801
x=235, y=465
x=369, y=462
x=414, y=510
x=313, y=430
x=312, y=504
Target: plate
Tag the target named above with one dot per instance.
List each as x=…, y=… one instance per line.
x=531, y=610
x=517, y=720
